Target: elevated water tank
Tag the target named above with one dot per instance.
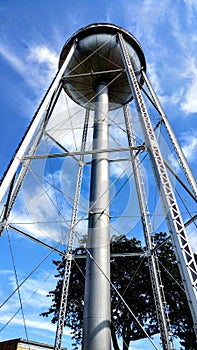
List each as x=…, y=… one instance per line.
x=97, y=58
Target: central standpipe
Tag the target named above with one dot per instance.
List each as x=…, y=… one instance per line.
x=97, y=62
x=97, y=310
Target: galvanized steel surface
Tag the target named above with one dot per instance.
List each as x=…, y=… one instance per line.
x=97, y=302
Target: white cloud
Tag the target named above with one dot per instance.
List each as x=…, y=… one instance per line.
x=189, y=144
x=193, y=240
x=42, y=64
x=39, y=217
x=5, y=272
x=177, y=30
x=141, y=15
x=192, y=235
x=174, y=162
x=36, y=324
x=34, y=289
x=33, y=295
x=153, y=73
x=37, y=66
x=189, y=104
x=190, y=3
x=34, y=301
x=184, y=65
x=16, y=63
x=42, y=54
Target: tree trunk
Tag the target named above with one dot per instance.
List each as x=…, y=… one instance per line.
x=126, y=342
x=126, y=337
x=114, y=339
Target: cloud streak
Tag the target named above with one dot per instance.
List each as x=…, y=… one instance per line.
x=37, y=66
x=15, y=62
x=189, y=104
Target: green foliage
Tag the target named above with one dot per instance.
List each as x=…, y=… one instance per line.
x=130, y=275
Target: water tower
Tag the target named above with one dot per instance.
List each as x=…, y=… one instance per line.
x=102, y=68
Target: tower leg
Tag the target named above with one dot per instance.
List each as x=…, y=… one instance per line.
x=97, y=311
x=184, y=255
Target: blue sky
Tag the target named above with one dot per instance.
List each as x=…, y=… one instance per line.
x=32, y=34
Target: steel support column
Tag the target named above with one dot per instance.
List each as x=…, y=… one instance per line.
x=97, y=310
x=182, y=248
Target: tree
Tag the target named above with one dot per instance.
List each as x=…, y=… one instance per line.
x=130, y=275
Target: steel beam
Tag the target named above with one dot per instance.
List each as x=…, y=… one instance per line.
x=182, y=248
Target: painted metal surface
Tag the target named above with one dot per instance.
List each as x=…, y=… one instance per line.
x=97, y=310
x=97, y=52
x=184, y=255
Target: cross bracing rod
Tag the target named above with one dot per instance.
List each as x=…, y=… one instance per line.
x=36, y=240
x=157, y=285
x=69, y=253
x=182, y=248
x=179, y=179
x=75, y=256
x=15, y=163
x=59, y=144
x=187, y=223
x=177, y=147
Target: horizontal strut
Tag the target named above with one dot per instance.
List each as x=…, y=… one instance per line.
x=112, y=255
x=79, y=153
x=93, y=73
